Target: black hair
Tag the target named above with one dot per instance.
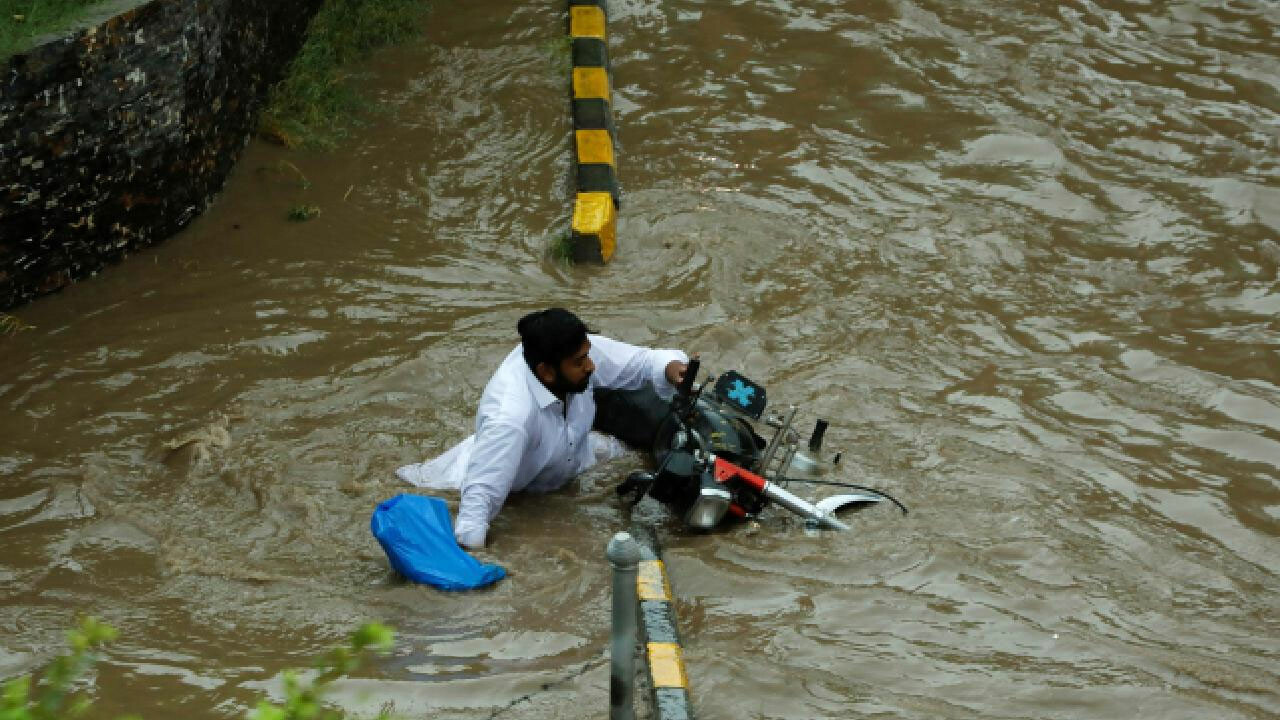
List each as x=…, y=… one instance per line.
x=549, y=336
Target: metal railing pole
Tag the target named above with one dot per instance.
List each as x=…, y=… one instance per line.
x=624, y=555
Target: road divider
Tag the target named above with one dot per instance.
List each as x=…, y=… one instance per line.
x=664, y=654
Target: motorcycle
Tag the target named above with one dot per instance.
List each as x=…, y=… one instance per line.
x=713, y=464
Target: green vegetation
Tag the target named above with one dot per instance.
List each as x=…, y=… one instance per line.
x=304, y=700
x=315, y=105
x=22, y=21
x=10, y=325
x=302, y=213
x=559, y=52
x=50, y=697
x=561, y=249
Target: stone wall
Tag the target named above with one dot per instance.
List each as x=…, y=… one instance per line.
x=117, y=137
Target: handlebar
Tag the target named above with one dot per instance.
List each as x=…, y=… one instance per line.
x=691, y=371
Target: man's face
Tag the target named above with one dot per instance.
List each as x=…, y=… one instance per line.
x=575, y=371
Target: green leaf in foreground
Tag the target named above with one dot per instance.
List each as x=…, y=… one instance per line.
x=304, y=700
x=48, y=695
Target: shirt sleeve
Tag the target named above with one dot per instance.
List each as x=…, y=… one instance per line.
x=620, y=366
x=488, y=480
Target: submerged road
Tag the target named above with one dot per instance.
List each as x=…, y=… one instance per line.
x=1023, y=256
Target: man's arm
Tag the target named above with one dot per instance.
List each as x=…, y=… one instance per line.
x=620, y=366
x=489, y=477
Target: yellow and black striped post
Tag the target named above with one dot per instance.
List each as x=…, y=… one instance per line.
x=663, y=654
x=595, y=210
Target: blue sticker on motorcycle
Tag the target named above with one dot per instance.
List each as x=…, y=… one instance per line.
x=740, y=393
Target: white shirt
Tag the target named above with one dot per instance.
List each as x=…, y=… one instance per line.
x=524, y=439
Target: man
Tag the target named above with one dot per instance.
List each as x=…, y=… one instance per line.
x=534, y=420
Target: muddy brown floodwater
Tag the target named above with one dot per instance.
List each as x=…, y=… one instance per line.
x=1022, y=255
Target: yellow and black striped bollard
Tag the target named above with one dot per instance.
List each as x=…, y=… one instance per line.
x=595, y=211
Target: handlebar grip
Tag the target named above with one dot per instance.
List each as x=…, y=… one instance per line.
x=690, y=372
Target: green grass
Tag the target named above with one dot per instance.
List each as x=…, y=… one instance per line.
x=561, y=249
x=303, y=213
x=559, y=52
x=10, y=325
x=22, y=21
x=315, y=104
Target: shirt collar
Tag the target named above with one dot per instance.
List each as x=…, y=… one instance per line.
x=541, y=394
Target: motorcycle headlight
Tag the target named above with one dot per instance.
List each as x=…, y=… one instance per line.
x=709, y=507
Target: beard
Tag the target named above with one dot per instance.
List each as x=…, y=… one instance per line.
x=564, y=386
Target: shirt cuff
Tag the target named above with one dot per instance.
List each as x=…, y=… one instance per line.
x=658, y=374
x=470, y=536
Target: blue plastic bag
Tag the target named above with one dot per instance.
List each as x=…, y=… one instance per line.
x=417, y=536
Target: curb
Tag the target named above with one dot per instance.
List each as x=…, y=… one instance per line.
x=664, y=656
x=595, y=210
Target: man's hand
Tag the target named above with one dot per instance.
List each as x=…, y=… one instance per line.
x=675, y=371
x=471, y=539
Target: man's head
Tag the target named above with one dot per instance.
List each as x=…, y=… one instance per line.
x=555, y=347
